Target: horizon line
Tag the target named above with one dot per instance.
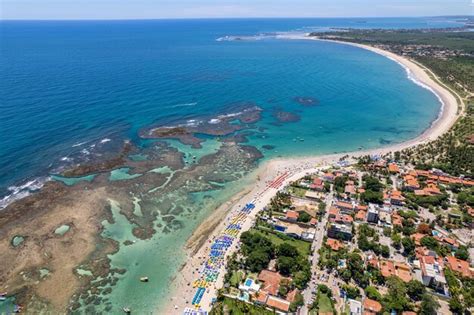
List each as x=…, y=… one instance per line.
x=239, y=18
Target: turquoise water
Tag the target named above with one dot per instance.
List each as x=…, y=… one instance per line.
x=71, y=86
x=77, y=89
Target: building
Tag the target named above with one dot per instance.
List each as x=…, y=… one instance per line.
x=372, y=306
x=340, y=231
x=345, y=207
x=373, y=214
x=292, y=216
x=355, y=307
x=334, y=244
x=460, y=266
x=390, y=268
x=318, y=184
x=430, y=272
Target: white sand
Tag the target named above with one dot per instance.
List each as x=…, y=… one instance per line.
x=297, y=168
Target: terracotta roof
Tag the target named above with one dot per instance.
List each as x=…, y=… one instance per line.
x=417, y=238
x=372, y=306
x=334, y=244
x=389, y=268
x=290, y=297
x=282, y=305
x=313, y=221
x=408, y=313
x=261, y=297
x=271, y=281
x=290, y=214
x=460, y=266
x=343, y=204
x=333, y=211
x=393, y=168
x=361, y=215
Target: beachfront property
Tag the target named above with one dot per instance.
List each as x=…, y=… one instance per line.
x=368, y=220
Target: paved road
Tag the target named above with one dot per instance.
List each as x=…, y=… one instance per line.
x=317, y=243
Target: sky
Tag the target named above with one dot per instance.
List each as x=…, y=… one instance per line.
x=159, y=9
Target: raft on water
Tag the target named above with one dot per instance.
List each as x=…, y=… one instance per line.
x=144, y=279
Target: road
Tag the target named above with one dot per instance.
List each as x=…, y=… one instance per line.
x=315, y=246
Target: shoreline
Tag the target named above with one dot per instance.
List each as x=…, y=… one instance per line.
x=298, y=167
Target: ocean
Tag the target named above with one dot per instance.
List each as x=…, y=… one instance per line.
x=72, y=91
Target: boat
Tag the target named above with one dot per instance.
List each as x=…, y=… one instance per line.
x=3, y=296
x=126, y=310
x=144, y=279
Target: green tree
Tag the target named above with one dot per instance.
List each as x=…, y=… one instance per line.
x=304, y=217
x=462, y=253
x=285, y=265
x=428, y=305
x=415, y=289
x=287, y=250
x=396, y=298
x=373, y=293
x=408, y=246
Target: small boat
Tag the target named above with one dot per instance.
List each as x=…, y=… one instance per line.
x=126, y=310
x=144, y=279
x=3, y=296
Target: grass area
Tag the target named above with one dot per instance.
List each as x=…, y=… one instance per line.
x=324, y=303
x=304, y=248
x=298, y=192
x=230, y=306
x=236, y=278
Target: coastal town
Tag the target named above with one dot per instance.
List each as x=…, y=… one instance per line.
x=367, y=235
x=240, y=194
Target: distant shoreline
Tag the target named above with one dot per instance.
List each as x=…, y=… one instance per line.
x=298, y=167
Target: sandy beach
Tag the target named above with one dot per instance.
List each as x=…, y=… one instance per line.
x=295, y=168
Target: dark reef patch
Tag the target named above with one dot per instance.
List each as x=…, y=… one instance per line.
x=268, y=147
x=285, y=117
x=306, y=101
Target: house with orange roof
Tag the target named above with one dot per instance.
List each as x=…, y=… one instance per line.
x=333, y=212
x=396, y=198
x=393, y=168
x=318, y=184
x=278, y=303
x=361, y=216
x=292, y=215
x=411, y=183
x=417, y=238
x=460, y=266
x=372, y=306
x=271, y=281
x=396, y=219
x=350, y=189
x=335, y=245
x=345, y=206
x=343, y=219
x=389, y=268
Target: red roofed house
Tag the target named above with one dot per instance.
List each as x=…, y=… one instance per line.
x=393, y=168
x=317, y=184
x=292, y=215
x=271, y=281
x=372, y=306
x=460, y=266
x=345, y=206
x=335, y=245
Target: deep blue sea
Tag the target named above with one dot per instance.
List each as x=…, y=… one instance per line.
x=73, y=90
x=67, y=85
